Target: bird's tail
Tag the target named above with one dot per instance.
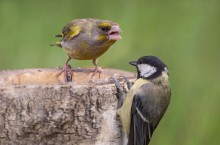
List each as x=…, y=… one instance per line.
x=59, y=35
x=56, y=44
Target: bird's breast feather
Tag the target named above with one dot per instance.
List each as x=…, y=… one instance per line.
x=125, y=111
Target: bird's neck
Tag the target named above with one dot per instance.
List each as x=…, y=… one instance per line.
x=162, y=80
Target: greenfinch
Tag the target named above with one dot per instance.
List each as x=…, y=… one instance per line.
x=87, y=39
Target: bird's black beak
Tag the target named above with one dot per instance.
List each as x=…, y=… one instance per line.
x=134, y=63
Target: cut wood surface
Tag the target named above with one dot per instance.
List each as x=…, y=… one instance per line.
x=38, y=107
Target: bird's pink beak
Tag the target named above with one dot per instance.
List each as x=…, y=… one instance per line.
x=114, y=33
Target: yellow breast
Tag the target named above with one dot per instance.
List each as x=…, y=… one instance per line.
x=86, y=52
x=125, y=111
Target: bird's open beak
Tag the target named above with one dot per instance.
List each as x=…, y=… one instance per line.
x=134, y=63
x=114, y=33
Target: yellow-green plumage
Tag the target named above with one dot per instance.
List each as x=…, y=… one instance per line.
x=87, y=39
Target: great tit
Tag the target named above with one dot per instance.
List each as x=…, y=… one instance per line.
x=146, y=101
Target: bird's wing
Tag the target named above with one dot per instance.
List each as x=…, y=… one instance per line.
x=141, y=129
x=70, y=31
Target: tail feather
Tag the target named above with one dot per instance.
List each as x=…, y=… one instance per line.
x=56, y=44
x=141, y=130
x=59, y=35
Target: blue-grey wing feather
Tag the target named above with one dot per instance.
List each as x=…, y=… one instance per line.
x=140, y=131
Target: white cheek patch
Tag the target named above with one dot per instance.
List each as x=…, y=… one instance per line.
x=166, y=70
x=146, y=70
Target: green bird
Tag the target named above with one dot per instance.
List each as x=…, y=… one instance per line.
x=87, y=39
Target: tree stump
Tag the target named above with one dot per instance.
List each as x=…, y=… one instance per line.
x=38, y=108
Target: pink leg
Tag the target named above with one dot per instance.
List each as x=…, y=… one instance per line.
x=97, y=68
x=67, y=71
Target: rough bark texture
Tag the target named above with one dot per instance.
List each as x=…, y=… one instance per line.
x=38, y=108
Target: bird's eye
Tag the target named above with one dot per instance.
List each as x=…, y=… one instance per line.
x=141, y=62
x=105, y=29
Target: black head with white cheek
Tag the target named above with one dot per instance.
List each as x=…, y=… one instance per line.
x=149, y=67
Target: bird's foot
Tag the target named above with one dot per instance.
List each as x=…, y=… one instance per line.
x=121, y=93
x=96, y=70
x=128, y=83
x=67, y=73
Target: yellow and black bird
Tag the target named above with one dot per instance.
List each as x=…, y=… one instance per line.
x=146, y=101
x=87, y=39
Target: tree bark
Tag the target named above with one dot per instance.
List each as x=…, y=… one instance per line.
x=38, y=108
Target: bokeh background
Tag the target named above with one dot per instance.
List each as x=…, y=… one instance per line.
x=185, y=34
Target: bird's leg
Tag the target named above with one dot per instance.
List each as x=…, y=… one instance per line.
x=121, y=94
x=67, y=71
x=97, y=68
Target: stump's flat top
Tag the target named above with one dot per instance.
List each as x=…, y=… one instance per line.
x=40, y=76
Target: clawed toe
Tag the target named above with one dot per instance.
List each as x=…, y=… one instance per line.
x=121, y=94
x=129, y=84
x=96, y=70
x=67, y=73
x=116, y=82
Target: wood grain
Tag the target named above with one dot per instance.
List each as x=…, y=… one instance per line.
x=38, y=107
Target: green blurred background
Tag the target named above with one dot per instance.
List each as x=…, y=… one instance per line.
x=185, y=34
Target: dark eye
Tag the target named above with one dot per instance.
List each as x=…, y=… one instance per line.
x=105, y=29
x=141, y=62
